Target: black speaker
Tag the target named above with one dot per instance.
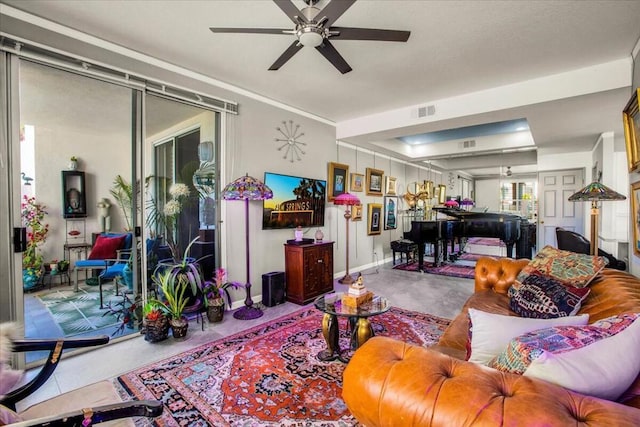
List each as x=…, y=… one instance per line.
x=273, y=288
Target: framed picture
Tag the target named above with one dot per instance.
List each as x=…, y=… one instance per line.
x=635, y=215
x=390, y=212
x=357, y=181
x=375, y=219
x=338, y=175
x=356, y=213
x=631, y=123
x=390, y=185
x=374, y=182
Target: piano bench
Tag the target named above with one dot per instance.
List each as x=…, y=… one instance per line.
x=406, y=247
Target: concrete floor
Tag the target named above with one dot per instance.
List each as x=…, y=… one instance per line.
x=427, y=293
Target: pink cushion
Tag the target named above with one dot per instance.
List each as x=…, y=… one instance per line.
x=107, y=247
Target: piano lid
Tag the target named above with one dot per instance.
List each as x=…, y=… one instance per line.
x=467, y=215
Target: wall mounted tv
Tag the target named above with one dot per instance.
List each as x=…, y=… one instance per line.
x=297, y=201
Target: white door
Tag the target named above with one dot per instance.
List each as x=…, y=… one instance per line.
x=554, y=207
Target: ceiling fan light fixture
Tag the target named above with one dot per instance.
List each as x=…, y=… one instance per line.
x=310, y=37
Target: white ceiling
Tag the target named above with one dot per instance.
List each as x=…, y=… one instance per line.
x=455, y=48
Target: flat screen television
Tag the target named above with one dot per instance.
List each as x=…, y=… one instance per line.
x=297, y=201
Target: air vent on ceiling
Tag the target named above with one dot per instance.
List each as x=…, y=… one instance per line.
x=427, y=110
x=470, y=143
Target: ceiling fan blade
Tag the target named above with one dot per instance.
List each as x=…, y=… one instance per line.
x=290, y=10
x=328, y=51
x=347, y=33
x=252, y=30
x=291, y=50
x=334, y=10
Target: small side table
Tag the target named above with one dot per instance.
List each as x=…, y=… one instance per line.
x=63, y=275
x=359, y=326
x=77, y=249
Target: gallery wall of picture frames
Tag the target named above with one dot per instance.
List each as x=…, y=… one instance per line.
x=380, y=216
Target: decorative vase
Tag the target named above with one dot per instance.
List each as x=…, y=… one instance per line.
x=30, y=277
x=179, y=327
x=298, y=233
x=73, y=165
x=127, y=276
x=215, y=310
x=156, y=330
x=319, y=235
x=53, y=267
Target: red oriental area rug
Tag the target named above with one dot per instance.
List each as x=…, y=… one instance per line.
x=266, y=376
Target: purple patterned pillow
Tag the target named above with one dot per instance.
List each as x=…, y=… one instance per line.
x=544, y=297
x=600, y=359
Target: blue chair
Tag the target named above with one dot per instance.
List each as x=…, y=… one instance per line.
x=111, y=267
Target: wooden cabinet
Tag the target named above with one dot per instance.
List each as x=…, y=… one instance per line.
x=309, y=271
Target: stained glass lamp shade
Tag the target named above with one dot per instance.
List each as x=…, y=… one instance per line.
x=247, y=188
x=594, y=193
x=348, y=200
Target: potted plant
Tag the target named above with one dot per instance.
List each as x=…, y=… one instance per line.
x=154, y=322
x=188, y=269
x=122, y=192
x=175, y=300
x=73, y=163
x=33, y=214
x=214, y=292
x=63, y=266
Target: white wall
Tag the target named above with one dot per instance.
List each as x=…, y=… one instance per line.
x=488, y=194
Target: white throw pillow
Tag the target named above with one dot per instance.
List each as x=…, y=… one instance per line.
x=600, y=359
x=491, y=333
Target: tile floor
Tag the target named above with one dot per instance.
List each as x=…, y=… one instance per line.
x=438, y=295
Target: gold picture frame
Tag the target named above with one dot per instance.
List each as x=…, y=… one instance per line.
x=357, y=182
x=374, y=215
x=337, y=180
x=374, y=182
x=356, y=212
x=390, y=186
x=635, y=216
x=631, y=123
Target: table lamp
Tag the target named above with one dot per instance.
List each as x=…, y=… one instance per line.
x=594, y=193
x=348, y=200
x=247, y=188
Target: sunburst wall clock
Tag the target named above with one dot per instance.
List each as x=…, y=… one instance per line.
x=292, y=144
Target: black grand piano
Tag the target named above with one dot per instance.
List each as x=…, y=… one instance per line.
x=512, y=229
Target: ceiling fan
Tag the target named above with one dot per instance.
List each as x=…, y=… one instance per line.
x=313, y=29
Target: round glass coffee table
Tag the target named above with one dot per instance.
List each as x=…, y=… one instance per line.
x=360, y=328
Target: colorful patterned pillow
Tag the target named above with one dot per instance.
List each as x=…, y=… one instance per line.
x=543, y=297
x=601, y=359
x=490, y=333
x=568, y=267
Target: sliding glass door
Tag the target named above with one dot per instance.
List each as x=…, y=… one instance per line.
x=75, y=158
x=80, y=164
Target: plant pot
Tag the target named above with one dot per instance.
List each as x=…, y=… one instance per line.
x=215, y=310
x=127, y=276
x=179, y=327
x=30, y=278
x=156, y=330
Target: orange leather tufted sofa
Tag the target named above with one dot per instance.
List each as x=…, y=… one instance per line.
x=391, y=383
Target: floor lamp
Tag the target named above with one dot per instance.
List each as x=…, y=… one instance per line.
x=247, y=188
x=594, y=193
x=348, y=200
